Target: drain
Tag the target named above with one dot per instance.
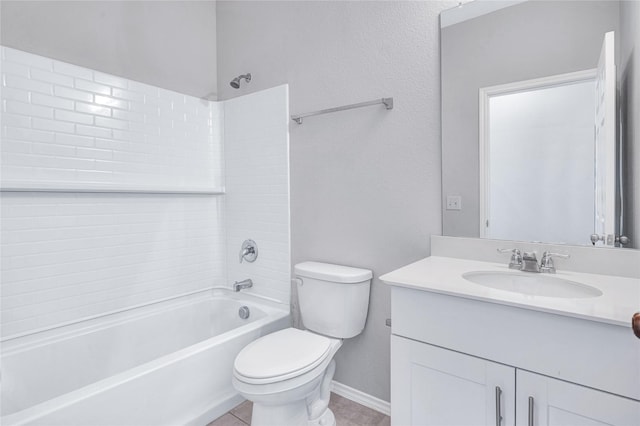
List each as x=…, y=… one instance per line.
x=244, y=312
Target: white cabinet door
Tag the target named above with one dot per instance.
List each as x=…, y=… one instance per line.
x=439, y=387
x=543, y=401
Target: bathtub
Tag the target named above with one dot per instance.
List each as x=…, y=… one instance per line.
x=169, y=363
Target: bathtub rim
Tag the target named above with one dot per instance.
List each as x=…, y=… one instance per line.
x=17, y=343
x=275, y=311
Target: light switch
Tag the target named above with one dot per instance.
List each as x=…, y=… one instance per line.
x=454, y=202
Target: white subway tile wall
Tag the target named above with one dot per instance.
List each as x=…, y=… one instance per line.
x=66, y=257
x=102, y=131
x=257, y=189
x=70, y=256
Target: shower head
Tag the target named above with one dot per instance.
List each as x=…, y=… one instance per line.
x=235, y=83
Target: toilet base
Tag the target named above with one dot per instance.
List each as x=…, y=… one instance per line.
x=326, y=419
x=312, y=410
x=293, y=413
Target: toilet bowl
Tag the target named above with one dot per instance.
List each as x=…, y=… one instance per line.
x=282, y=371
x=287, y=374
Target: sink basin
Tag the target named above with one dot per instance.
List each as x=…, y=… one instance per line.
x=533, y=284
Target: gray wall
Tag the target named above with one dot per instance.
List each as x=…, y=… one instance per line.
x=365, y=184
x=170, y=44
x=630, y=104
x=521, y=42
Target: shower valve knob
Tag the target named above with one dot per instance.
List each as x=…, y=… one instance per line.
x=249, y=251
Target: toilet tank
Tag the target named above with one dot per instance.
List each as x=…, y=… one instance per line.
x=334, y=299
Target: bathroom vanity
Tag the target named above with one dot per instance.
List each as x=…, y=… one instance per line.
x=464, y=352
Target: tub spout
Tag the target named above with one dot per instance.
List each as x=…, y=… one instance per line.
x=239, y=285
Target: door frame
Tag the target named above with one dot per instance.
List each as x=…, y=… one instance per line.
x=484, y=95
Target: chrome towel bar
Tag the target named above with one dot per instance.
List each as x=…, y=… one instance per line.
x=70, y=190
x=388, y=104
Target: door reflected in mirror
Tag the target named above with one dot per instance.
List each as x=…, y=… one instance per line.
x=537, y=160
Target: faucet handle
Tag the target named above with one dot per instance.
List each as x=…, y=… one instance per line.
x=548, y=254
x=516, y=257
x=248, y=251
x=546, y=263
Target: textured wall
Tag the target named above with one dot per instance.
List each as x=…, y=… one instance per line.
x=170, y=44
x=365, y=184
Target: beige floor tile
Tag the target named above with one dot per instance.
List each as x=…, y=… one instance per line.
x=347, y=412
x=227, y=420
x=386, y=421
x=350, y=413
x=243, y=411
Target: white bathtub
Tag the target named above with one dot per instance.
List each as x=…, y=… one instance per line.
x=169, y=363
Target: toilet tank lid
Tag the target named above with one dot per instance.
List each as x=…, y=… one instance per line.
x=330, y=272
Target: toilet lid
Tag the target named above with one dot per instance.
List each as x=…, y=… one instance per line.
x=289, y=352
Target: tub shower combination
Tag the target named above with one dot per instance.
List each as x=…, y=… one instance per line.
x=122, y=216
x=166, y=363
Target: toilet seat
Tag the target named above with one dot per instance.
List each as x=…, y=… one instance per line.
x=282, y=355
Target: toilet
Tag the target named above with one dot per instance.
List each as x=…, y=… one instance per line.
x=287, y=374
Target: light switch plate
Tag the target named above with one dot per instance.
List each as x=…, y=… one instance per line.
x=454, y=202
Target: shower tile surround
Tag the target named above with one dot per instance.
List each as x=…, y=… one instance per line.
x=70, y=256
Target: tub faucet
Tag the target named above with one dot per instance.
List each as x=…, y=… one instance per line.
x=239, y=285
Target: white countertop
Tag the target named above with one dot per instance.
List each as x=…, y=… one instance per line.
x=620, y=297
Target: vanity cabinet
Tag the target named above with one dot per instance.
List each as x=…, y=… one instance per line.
x=557, y=403
x=433, y=386
x=462, y=361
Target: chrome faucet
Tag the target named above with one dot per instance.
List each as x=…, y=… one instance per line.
x=528, y=261
x=546, y=263
x=516, y=257
x=239, y=285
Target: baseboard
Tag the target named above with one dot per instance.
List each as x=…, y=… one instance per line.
x=361, y=398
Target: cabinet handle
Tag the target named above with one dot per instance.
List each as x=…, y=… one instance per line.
x=498, y=406
x=530, y=421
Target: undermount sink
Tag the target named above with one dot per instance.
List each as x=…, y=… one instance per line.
x=533, y=284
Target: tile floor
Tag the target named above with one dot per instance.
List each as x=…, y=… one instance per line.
x=347, y=412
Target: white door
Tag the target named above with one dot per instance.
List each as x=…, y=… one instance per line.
x=432, y=386
x=543, y=401
x=605, y=139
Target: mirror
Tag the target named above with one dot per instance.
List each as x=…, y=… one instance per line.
x=507, y=65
